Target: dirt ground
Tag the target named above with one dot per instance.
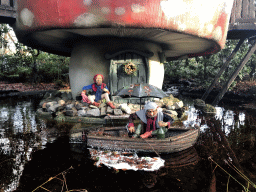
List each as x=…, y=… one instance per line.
x=23, y=87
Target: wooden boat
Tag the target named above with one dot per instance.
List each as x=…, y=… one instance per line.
x=116, y=139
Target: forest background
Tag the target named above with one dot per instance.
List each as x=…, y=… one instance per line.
x=28, y=65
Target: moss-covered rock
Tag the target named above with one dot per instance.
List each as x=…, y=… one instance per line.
x=209, y=108
x=199, y=102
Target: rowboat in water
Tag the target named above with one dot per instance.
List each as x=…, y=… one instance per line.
x=117, y=139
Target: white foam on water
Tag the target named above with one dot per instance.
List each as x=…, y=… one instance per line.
x=118, y=160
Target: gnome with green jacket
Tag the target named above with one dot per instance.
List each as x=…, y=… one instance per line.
x=152, y=119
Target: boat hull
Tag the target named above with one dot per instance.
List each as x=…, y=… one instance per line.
x=179, y=142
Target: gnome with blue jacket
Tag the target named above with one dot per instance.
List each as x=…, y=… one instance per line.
x=99, y=92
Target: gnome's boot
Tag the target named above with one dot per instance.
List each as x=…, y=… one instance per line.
x=111, y=105
x=96, y=104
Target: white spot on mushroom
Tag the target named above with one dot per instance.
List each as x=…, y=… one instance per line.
x=182, y=27
x=26, y=17
x=87, y=2
x=174, y=8
x=105, y=10
x=217, y=33
x=120, y=11
x=209, y=28
x=87, y=19
x=137, y=8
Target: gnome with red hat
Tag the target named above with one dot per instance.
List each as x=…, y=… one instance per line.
x=99, y=91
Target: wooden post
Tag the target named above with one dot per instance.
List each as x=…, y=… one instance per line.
x=234, y=75
x=224, y=66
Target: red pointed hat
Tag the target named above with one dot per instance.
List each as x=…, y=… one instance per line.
x=94, y=78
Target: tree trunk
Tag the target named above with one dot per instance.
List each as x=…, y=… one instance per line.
x=234, y=75
x=224, y=66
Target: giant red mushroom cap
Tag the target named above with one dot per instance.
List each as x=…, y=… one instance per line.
x=183, y=28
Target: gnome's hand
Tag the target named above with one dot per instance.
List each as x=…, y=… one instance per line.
x=162, y=124
x=146, y=135
x=131, y=129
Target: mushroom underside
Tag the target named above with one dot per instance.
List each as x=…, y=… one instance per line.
x=174, y=44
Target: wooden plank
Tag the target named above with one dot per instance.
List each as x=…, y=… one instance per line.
x=248, y=20
x=120, y=76
x=114, y=78
x=245, y=9
x=134, y=58
x=233, y=14
x=143, y=74
x=135, y=79
x=251, y=9
x=238, y=9
x=190, y=134
x=142, y=147
x=128, y=79
x=111, y=77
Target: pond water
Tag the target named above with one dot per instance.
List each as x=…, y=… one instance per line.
x=35, y=155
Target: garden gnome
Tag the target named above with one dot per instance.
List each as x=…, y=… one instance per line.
x=99, y=91
x=151, y=117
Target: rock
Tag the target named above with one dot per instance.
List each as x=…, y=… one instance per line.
x=109, y=110
x=170, y=107
x=49, y=104
x=102, y=105
x=69, y=102
x=47, y=95
x=60, y=117
x=103, y=111
x=118, y=112
x=56, y=94
x=160, y=103
x=209, y=108
x=53, y=108
x=61, y=102
x=84, y=108
x=77, y=126
x=168, y=101
x=93, y=113
x=125, y=108
x=72, y=112
x=69, y=107
x=178, y=105
x=69, y=95
x=172, y=112
x=64, y=96
x=57, y=99
x=78, y=105
x=85, y=104
x=134, y=107
x=44, y=105
x=93, y=107
x=82, y=113
x=199, y=102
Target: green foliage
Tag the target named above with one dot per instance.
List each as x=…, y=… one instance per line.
x=29, y=64
x=204, y=69
x=44, y=67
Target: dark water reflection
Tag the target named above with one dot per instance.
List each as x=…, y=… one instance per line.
x=32, y=150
